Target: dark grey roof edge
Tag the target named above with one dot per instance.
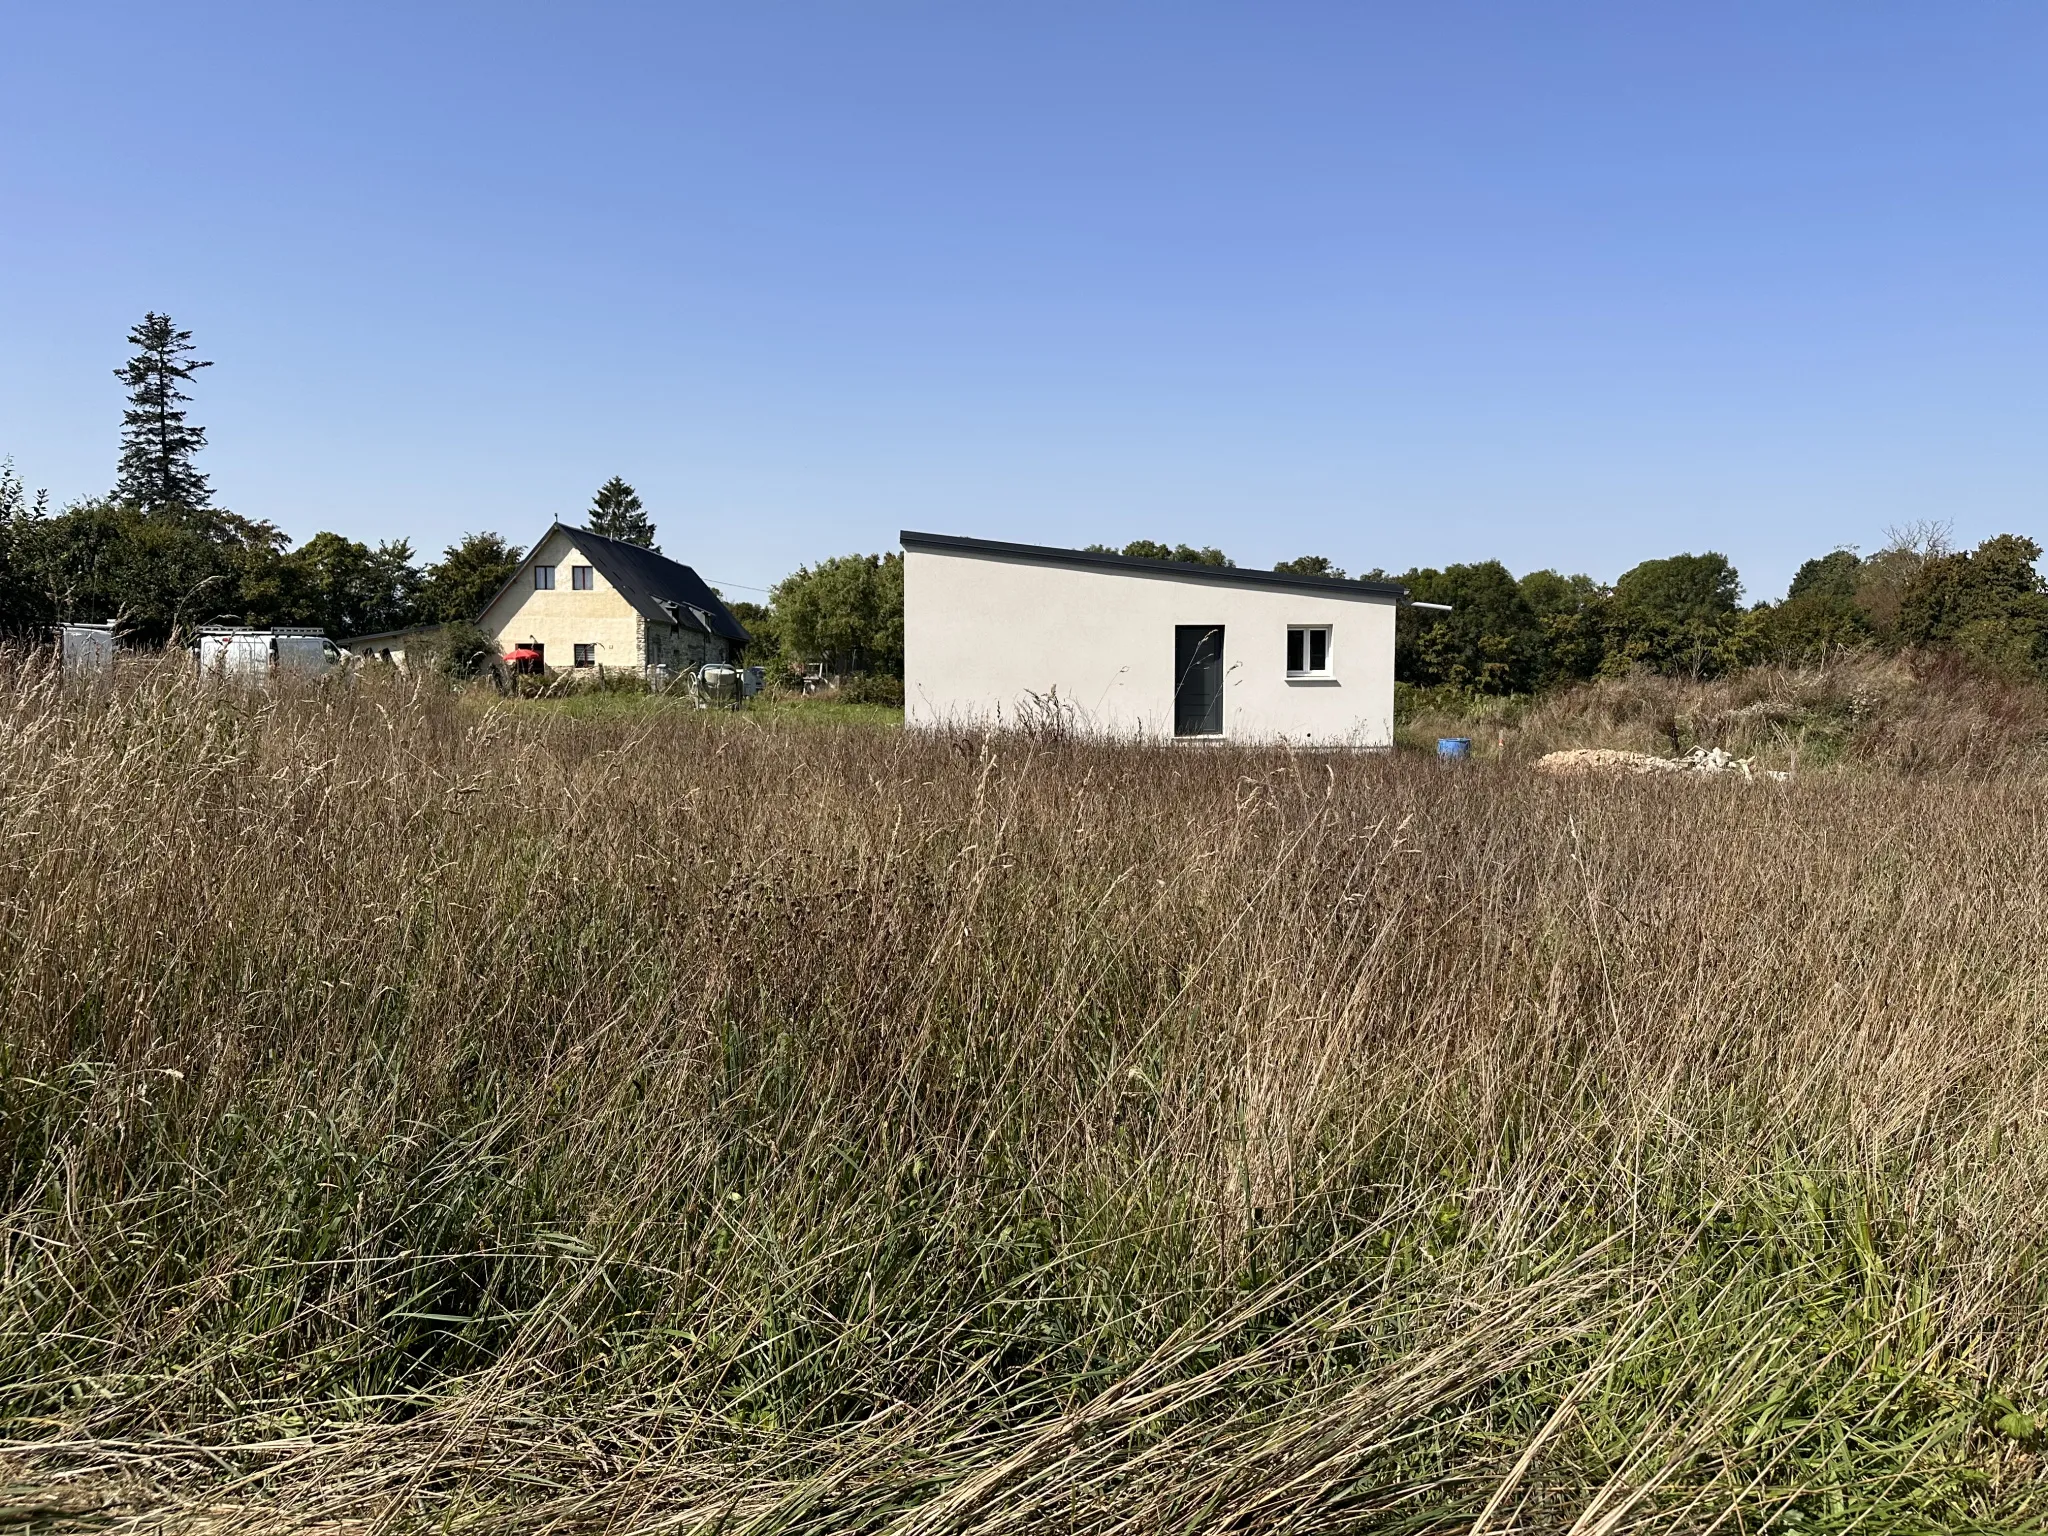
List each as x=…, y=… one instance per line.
x=1045, y=554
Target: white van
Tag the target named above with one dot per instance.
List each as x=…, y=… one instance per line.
x=253, y=655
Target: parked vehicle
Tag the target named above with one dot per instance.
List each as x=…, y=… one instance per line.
x=253, y=655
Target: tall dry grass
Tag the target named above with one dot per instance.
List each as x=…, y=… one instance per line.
x=1910, y=715
x=459, y=1115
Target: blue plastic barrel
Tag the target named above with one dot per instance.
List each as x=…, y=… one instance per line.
x=1453, y=746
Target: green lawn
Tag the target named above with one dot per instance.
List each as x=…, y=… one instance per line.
x=604, y=705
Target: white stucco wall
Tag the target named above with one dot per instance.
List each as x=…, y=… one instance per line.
x=983, y=633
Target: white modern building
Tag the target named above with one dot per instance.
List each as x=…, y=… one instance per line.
x=997, y=633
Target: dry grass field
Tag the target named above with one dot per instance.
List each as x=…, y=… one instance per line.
x=1903, y=716
x=422, y=1113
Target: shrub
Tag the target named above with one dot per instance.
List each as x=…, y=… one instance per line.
x=871, y=688
x=461, y=652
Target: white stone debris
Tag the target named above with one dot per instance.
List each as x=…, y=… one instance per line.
x=1700, y=761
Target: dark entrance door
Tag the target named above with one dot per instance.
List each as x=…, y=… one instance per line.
x=1198, y=679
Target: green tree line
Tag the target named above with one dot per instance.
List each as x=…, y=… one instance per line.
x=158, y=557
x=1684, y=615
x=161, y=572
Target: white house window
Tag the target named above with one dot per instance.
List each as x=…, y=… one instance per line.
x=586, y=655
x=543, y=578
x=580, y=578
x=1308, y=650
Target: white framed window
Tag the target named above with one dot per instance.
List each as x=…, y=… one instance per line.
x=586, y=655
x=1308, y=650
x=580, y=579
x=543, y=578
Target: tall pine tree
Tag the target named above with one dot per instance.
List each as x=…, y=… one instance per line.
x=616, y=513
x=157, y=443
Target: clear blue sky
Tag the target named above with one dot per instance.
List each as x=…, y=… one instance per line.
x=1569, y=285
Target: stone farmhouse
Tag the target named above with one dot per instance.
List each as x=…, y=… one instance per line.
x=584, y=601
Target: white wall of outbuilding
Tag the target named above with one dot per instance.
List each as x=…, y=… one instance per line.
x=992, y=638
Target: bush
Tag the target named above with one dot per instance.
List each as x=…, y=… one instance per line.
x=871, y=688
x=461, y=652
x=608, y=680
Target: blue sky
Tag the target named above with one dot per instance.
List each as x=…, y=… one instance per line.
x=1569, y=285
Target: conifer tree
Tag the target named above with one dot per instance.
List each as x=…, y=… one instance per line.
x=616, y=513
x=157, y=443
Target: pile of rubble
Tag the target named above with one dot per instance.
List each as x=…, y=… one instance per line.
x=1700, y=760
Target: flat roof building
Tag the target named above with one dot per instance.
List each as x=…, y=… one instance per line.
x=998, y=633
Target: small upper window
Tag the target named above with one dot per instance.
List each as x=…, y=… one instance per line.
x=580, y=578
x=1308, y=650
x=543, y=578
x=586, y=655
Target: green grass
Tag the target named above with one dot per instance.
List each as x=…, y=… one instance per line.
x=622, y=704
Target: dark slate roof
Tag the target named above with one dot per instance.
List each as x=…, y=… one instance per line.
x=1091, y=559
x=660, y=589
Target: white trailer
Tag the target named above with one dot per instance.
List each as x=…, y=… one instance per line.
x=85, y=650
